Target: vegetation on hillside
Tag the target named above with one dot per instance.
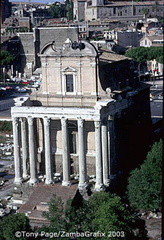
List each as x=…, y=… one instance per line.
x=103, y=213
x=145, y=183
x=12, y=226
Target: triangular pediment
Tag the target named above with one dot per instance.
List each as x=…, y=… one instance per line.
x=69, y=69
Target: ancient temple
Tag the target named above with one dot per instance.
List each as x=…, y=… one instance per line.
x=72, y=125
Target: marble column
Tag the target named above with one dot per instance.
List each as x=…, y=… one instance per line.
x=32, y=154
x=99, y=169
x=24, y=147
x=66, y=153
x=104, y=132
x=113, y=152
x=17, y=158
x=47, y=146
x=82, y=156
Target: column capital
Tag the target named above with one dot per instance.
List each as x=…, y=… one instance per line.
x=64, y=121
x=23, y=119
x=97, y=123
x=30, y=120
x=110, y=117
x=46, y=121
x=80, y=122
x=15, y=120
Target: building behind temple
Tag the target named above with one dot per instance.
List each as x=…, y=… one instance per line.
x=122, y=10
x=89, y=120
x=5, y=11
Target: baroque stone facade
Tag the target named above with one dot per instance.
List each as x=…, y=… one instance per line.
x=32, y=43
x=69, y=126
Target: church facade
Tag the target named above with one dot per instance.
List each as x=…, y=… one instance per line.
x=76, y=124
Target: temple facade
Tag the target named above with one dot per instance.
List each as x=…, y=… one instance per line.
x=71, y=126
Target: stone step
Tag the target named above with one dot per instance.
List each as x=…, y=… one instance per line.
x=43, y=193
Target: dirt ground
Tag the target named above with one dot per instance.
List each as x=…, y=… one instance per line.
x=154, y=228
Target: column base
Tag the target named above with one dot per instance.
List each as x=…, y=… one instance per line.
x=32, y=182
x=82, y=186
x=18, y=181
x=66, y=183
x=99, y=187
x=107, y=183
x=48, y=181
x=25, y=177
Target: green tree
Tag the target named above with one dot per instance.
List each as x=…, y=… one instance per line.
x=138, y=54
x=110, y=214
x=78, y=216
x=154, y=52
x=5, y=126
x=55, y=215
x=69, y=9
x=160, y=59
x=103, y=212
x=10, y=224
x=143, y=54
x=62, y=10
x=145, y=12
x=145, y=183
x=5, y=58
x=55, y=10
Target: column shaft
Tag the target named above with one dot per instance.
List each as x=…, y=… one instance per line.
x=105, y=155
x=24, y=146
x=32, y=153
x=99, y=170
x=17, y=158
x=112, y=145
x=82, y=155
x=66, y=153
x=48, y=156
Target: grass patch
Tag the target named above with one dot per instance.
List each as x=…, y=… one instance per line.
x=2, y=139
x=5, y=126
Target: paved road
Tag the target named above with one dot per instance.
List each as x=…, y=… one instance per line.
x=156, y=104
x=6, y=103
x=156, y=108
x=7, y=189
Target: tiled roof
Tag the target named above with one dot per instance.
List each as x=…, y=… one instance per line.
x=125, y=3
x=109, y=56
x=153, y=37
